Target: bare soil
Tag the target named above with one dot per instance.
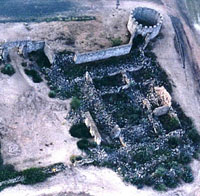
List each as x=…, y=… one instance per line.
x=34, y=131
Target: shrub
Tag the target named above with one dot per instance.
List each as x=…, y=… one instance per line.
x=170, y=123
x=170, y=181
x=75, y=103
x=186, y=122
x=52, y=94
x=34, y=75
x=76, y=91
x=193, y=135
x=7, y=172
x=173, y=141
x=24, y=64
x=80, y=131
x=141, y=156
x=116, y=41
x=149, y=181
x=187, y=175
x=185, y=158
x=160, y=171
x=137, y=180
x=8, y=70
x=85, y=144
x=160, y=187
x=34, y=175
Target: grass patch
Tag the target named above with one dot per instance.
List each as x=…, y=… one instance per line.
x=116, y=41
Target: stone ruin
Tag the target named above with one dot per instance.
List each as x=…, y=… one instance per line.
x=142, y=21
x=126, y=106
x=93, y=128
x=145, y=22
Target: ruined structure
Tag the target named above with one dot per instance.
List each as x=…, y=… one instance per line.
x=93, y=128
x=145, y=22
x=24, y=48
x=102, y=54
x=142, y=21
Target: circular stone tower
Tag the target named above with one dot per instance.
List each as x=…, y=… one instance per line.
x=146, y=22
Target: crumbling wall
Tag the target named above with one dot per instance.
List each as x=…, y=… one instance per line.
x=24, y=47
x=102, y=54
x=93, y=128
x=95, y=103
x=49, y=53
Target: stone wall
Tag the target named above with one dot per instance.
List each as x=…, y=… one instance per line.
x=102, y=54
x=24, y=47
x=151, y=18
x=144, y=21
x=49, y=53
x=93, y=128
x=95, y=102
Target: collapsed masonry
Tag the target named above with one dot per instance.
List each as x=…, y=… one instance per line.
x=95, y=103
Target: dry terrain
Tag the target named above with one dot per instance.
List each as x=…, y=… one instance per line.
x=36, y=132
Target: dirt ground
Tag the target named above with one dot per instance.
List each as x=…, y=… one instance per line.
x=72, y=36
x=34, y=131
x=40, y=111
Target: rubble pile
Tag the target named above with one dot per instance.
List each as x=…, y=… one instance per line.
x=138, y=130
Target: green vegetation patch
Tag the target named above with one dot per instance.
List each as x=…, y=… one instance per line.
x=8, y=69
x=151, y=151
x=80, y=131
x=34, y=175
x=75, y=158
x=34, y=75
x=123, y=109
x=85, y=144
x=52, y=94
x=7, y=172
x=116, y=41
x=109, y=81
x=169, y=122
x=75, y=103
